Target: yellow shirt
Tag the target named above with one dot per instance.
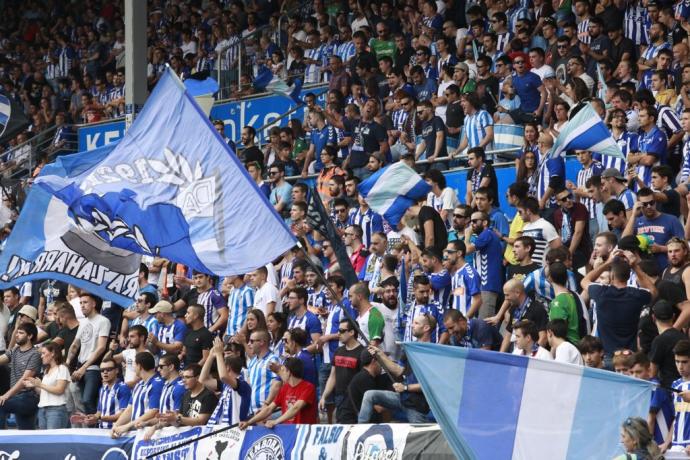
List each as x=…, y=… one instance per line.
x=515, y=230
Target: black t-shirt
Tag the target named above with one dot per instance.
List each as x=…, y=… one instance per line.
x=661, y=354
x=535, y=312
x=490, y=85
x=520, y=272
x=440, y=233
x=195, y=342
x=53, y=290
x=455, y=117
x=360, y=384
x=347, y=364
x=365, y=57
x=617, y=50
x=251, y=154
x=672, y=206
x=67, y=335
x=366, y=139
x=429, y=130
x=203, y=403
x=475, y=178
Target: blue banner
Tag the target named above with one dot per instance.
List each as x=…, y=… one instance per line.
x=46, y=243
x=72, y=444
x=172, y=188
x=255, y=112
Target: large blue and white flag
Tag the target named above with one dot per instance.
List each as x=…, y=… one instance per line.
x=393, y=189
x=265, y=80
x=586, y=131
x=13, y=120
x=45, y=243
x=503, y=406
x=172, y=188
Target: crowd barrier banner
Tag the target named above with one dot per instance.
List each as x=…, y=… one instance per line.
x=284, y=442
x=71, y=444
x=256, y=112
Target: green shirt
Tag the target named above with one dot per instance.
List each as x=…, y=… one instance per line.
x=382, y=48
x=564, y=307
x=371, y=323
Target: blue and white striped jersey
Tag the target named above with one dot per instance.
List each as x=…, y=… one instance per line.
x=171, y=396
x=465, y=285
x=583, y=175
x=233, y=404
x=441, y=286
x=681, y=425
x=146, y=396
x=475, y=129
x=212, y=300
x=634, y=22
x=627, y=142
x=432, y=309
x=538, y=283
x=583, y=32
x=112, y=399
x=240, y=300
x=260, y=377
x=369, y=221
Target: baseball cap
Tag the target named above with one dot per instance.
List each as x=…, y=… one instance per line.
x=612, y=172
x=162, y=307
x=462, y=66
x=28, y=310
x=550, y=21
x=663, y=310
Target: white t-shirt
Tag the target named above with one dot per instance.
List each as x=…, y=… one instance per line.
x=128, y=363
x=568, y=353
x=51, y=379
x=390, y=318
x=90, y=329
x=543, y=233
x=543, y=70
x=265, y=294
x=542, y=353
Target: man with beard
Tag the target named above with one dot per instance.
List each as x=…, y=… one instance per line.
x=657, y=228
x=488, y=261
x=466, y=296
x=523, y=249
x=389, y=310
x=470, y=333
x=423, y=306
x=677, y=251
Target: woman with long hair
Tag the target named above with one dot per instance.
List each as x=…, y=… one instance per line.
x=560, y=110
x=528, y=171
x=52, y=403
x=256, y=321
x=637, y=441
x=277, y=325
x=530, y=138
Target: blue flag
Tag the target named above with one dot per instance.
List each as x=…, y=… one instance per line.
x=393, y=189
x=172, y=188
x=265, y=80
x=586, y=131
x=46, y=243
x=503, y=406
x=12, y=119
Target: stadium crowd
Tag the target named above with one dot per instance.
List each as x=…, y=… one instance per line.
x=592, y=272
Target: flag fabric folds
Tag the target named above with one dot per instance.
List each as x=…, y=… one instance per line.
x=393, y=189
x=317, y=217
x=265, y=80
x=12, y=119
x=509, y=137
x=46, y=243
x=586, y=131
x=172, y=188
x=503, y=406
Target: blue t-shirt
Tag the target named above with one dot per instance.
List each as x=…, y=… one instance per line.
x=309, y=367
x=659, y=230
x=309, y=322
x=527, y=87
x=426, y=90
x=652, y=143
x=488, y=261
x=479, y=334
x=662, y=405
x=320, y=139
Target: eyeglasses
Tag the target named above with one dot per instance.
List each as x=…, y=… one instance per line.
x=419, y=53
x=342, y=331
x=647, y=204
x=161, y=366
x=107, y=369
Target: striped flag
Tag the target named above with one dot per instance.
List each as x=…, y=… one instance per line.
x=12, y=119
x=586, y=131
x=265, y=80
x=393, y=189
x=508, y=137
x=503, y=406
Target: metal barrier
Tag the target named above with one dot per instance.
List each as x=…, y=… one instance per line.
x=424, y=162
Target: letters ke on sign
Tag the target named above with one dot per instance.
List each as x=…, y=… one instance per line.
x=253, y=112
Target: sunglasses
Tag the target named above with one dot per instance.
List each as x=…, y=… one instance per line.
x=563, y=199
x=459, y=216
x=107, y=369
x=647, y=204
x=342, y=331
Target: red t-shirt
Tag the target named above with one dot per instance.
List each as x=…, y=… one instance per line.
x=289, y=395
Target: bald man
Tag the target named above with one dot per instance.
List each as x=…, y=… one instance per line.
x=522, y=307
